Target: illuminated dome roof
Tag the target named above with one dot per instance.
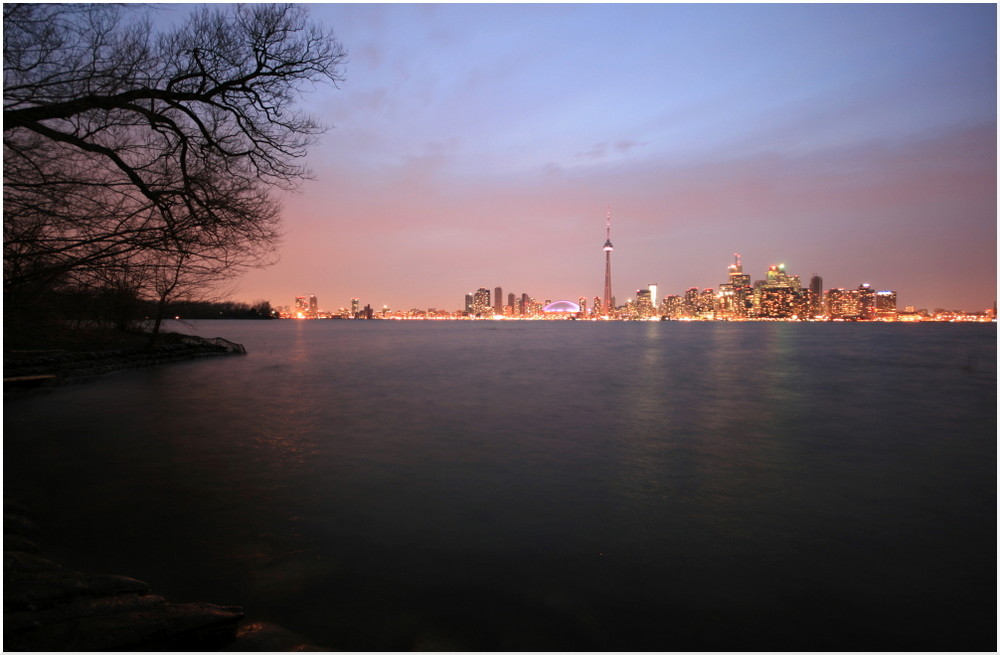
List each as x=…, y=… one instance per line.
x=563, y=306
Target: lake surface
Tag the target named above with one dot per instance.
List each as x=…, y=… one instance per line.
x=384, y=485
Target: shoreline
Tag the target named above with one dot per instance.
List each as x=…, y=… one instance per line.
x=30, y=369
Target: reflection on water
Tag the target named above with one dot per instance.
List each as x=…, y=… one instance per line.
x=539, y=486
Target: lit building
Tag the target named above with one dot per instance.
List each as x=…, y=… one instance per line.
x=469, y=300
x=301, y=307
x=885, y=305
x=355, y=307
x=643, y=303
x=866, y=302
x=779, y=295
x=843, y=304
x=313, y=307
x=481, y=303
x=583, y=305
x=498, y=301
x=672, y=307
x=561, y=308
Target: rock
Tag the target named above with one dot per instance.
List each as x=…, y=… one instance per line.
x=13, y=542
x=165, y=627
x=267, y=637
x=22, y=562
x=21, y=622
x=36, y=590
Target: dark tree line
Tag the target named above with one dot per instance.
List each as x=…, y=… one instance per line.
x=142, y=164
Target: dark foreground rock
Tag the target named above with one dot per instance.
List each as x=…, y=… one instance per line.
x=24, y=369
x=48, y=607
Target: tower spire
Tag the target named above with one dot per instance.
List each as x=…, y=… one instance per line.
x=607, y=266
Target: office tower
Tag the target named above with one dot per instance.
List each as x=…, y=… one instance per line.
x=355, y=307
x=779, y=296
x=498, y=301
x=481, y=302
x=313, y=307
x=608, y=300
x=583, y=305
x=885, y=305
x=597, y=306
x=301, y=307
x=843, y=304
x=866, y=302
x=691, y=302
x=512, y=303
x=740, y=288
x=525, y=304
x=672, y=306
x=643, y=303
x=468, y=304
x=815, y=296
x=652, y=293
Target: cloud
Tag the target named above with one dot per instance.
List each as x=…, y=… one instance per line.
x=603, y=149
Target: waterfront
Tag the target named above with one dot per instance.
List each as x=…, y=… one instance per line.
x=383, y=485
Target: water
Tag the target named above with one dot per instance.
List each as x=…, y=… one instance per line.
x=380, y=485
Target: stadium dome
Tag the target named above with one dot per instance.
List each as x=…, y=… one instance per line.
x=562, y=307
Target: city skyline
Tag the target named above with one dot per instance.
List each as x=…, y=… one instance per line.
x=482, y=143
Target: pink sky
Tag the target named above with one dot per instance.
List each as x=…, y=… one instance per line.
x=480, y=145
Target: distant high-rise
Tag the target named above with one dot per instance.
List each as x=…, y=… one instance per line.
x=512, y=302
x=652, y=293
x=355, y=307
x=885, y=305
x=643, y=303
x=525, y=304
x=607, y=267
x=866, y=302
x=313, y=306
x=481, y=302
x=815, y=296
x=468, y=304
x=301, y=306
x=498, y=301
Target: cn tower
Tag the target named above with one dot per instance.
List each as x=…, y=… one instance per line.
x=607, y=267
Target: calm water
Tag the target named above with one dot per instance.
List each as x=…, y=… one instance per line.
x=543, y=486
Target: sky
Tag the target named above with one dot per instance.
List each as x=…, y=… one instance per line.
x=476, y=145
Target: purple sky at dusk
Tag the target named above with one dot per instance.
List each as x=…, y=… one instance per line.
x=480, y=146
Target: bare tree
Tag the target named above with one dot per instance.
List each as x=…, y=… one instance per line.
x=125, y=145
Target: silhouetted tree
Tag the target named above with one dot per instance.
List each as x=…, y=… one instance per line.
x=130, y=153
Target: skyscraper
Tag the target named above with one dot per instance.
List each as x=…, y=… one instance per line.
x=815, y=296
x=498, y=301
x=481, y=302
x=607, y=267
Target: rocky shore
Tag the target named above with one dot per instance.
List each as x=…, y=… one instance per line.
x=33, y=368
x=48, y=607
